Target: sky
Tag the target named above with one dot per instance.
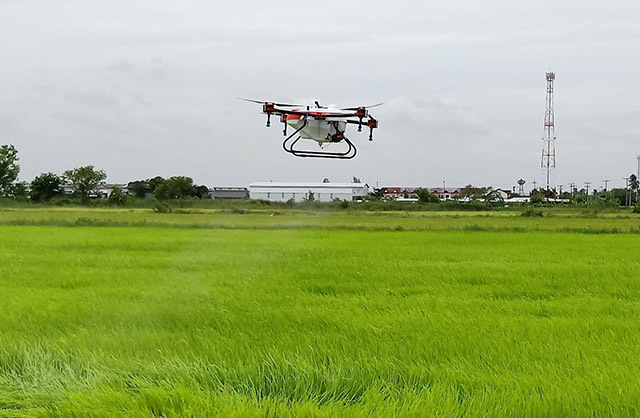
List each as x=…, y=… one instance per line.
x=148, y=88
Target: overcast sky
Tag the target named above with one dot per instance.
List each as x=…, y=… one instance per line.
x=144, y=88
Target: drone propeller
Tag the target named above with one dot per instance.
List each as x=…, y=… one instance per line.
x=366, y=107
x=275, y=104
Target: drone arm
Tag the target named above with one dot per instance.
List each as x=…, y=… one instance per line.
x=371, y=123
x=271, y=109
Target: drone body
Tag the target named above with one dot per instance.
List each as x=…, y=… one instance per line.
x=322, y=124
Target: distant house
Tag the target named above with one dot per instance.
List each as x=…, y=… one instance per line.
x=229, y=193
x=411, y=194
x=445, y=194
x=400, y=193
x=503, y=193
x=521, y=199
x=141, y=189
x=389, y=193
x=323, y=192
x=104, y=190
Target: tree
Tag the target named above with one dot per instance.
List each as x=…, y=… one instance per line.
x=634, y=184
x=117, y=197
x=426, y=196
x=201, y=192
x=85, y=180
x=9, y=168
x=19, y=191
x=377, y=193
x=311, y=197
x=474, y=193
x=492, y=196
x=326, y=180
x=356, y=180
x=45, y=186
x=536, y=198
x=177, y=187
x=620, y=195
x=141, y=188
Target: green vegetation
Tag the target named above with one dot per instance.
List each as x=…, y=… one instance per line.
x=80, y=186
x=45, y=187
x=260, y=312
x=85, y=180
x=9, y=169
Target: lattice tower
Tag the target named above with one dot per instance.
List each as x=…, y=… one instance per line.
x=549, y=139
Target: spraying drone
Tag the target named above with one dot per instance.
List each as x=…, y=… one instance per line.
x=323, y=124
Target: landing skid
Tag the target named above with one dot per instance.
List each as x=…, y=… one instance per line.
x=289, y=145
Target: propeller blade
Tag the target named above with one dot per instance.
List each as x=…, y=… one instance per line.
x=287, y=105
x=366, y=107
x=250, y=100
x=275, y=104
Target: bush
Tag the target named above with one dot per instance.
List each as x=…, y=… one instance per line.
x=536, y=199
x=162, y=207
x=531, y=213
x=117, y=197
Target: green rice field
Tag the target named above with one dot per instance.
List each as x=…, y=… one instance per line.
x=127, y=312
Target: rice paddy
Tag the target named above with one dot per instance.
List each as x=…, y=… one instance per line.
x=210, y=313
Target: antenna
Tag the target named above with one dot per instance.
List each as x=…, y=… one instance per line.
x=549, y=138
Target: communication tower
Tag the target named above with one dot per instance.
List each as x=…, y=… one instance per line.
x=549, y=138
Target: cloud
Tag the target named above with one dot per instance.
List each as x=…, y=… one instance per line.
x=434, y=117
x=122, y=85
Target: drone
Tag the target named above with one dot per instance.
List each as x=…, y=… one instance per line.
x=323, y=124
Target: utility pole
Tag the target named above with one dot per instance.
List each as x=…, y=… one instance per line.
x=587, y=183
x=572, y=186
x=560, y=187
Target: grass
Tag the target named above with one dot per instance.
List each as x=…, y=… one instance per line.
x=560, y=220
x=230, y=314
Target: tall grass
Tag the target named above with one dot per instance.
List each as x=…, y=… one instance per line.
x=161, y=321
x=234, y=218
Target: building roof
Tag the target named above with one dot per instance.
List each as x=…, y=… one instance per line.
x=298, y=185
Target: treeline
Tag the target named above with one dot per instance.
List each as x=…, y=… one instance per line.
x=83, y=183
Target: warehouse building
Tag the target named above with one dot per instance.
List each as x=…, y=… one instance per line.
x=323, y=192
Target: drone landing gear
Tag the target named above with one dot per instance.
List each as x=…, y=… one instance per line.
x=346, y=155
x=289, y=144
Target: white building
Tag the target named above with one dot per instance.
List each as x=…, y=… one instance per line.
x=323, y=192
x=104, y=190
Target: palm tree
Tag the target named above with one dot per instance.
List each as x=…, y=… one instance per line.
x=634, y=184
